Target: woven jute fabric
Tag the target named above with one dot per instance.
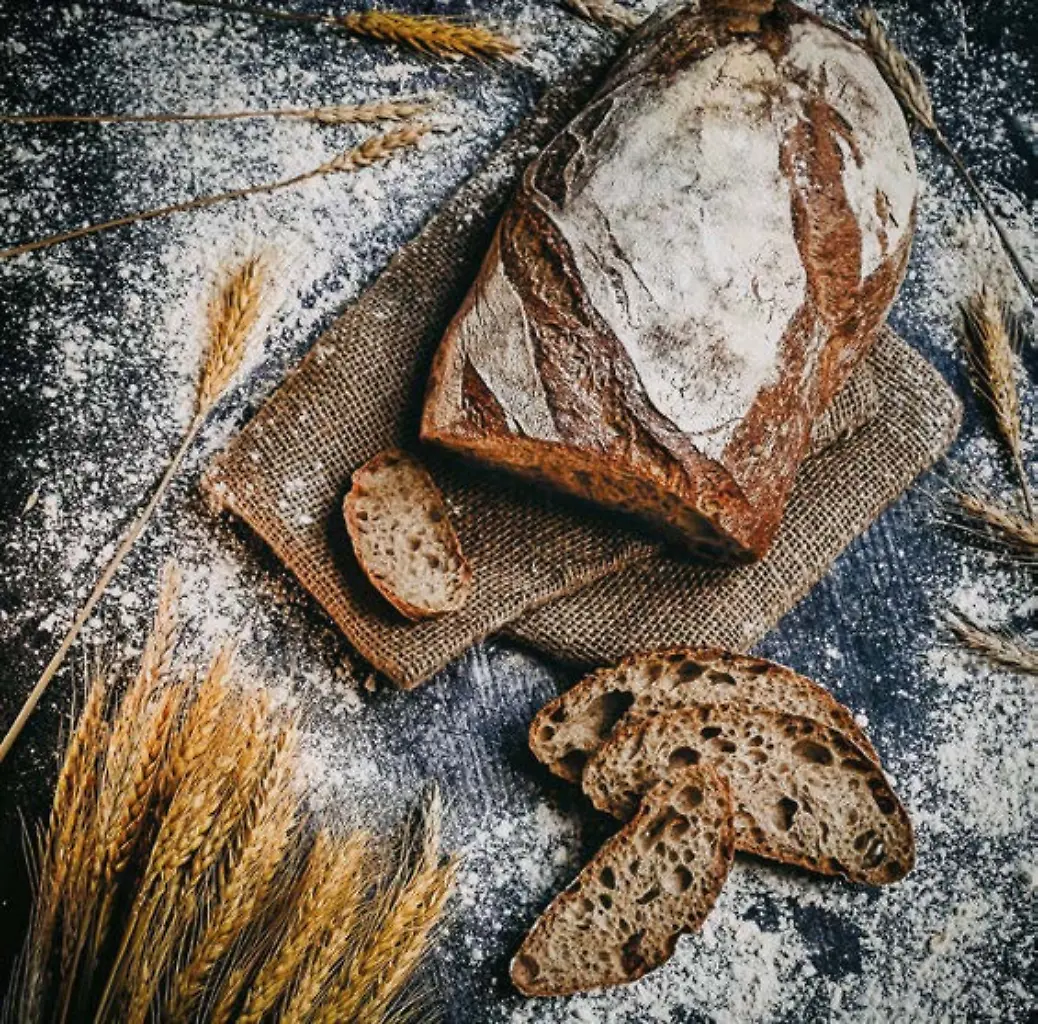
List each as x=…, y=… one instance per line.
x=359, y=390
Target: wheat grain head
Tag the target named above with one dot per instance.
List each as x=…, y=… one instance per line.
x=899, y=72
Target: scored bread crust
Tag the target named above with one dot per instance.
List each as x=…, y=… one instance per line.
x=567, y=731
x=803, y=793
x=451, y=566
x=657, y=326
x=656, y=880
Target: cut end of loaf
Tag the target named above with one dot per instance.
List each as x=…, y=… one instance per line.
x=403, y=537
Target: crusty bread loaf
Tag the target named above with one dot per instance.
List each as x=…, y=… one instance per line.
x=566, y=732
x=688, y=274
x=403, y=537
x=802, y=792
x=653, y=882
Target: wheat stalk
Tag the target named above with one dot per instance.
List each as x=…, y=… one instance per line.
x=236, y=311
x=1000, y=645
x=908, y=85
x=351, y=113
x=208, y=912
x=992, y=351
x=606, y=13
x=990, y=523
x=436, y=36
x=374, y=150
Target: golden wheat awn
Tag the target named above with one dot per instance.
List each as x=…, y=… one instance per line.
x=430, y=34
x=983, y=519
x=908, y=85
x=373, y=150
x=210, y=912
x=233, y=317
x=343, y=113
x=992, y=360
x=606, y=13
x=999, y=645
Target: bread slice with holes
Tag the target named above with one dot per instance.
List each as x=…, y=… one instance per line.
x=803, y=793
x=571, y=728
x=650, y=884
x=403, y=537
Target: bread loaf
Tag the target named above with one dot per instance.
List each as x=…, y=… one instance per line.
x=403, y=537
x=688, y=274
x=567, y=731
x=653, y=882
x=802, y=792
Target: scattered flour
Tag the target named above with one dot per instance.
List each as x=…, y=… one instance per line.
x=104, y=342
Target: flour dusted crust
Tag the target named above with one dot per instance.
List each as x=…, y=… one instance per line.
x=688, y=274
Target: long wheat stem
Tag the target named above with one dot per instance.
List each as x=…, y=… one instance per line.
x=374, y=150
x=907, y=83
x=360, y=113
x=229, y=332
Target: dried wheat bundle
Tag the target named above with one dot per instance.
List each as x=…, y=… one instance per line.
x=371, y=151
x=344, y=113
x=999, y=645
x=908, y=85
x=233, y=314
x=992, y=352
x=180, y=880
x=440, y=37
x=993, y=526
x=606, y=13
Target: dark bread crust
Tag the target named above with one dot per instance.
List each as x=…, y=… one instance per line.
x=567, y=731
x=607, y=440
x=801, y=791
x=624, y=913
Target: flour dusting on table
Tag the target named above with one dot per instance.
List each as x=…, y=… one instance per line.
x=106, y=336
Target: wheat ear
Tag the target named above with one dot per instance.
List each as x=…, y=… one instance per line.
x=439, y=37
x=908, y=85
x=992, y=351
x=606, y=13
x=269, y=828
x=412, y=908
x=62, y=853
x=351, y=113
x=342, y=929
x=993, y=525
x=238, y=300
x=374, y=150
x=1000, y=645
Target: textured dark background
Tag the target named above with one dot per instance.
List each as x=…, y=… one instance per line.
x=877, y=608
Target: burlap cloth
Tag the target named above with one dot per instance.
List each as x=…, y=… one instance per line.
x=584, y=585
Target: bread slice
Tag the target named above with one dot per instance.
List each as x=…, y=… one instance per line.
x=403, y=538
x=653, y=882
x=803, y=793
x=571, y=728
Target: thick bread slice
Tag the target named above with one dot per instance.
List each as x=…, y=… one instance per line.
x=403, y=538
x=803, y=793
x=653, y=882
x=571, y=728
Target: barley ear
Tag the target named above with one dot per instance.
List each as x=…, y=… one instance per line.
x=1001, y=646
x=607, y=13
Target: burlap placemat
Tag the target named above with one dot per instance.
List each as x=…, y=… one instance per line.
x=359, y=390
